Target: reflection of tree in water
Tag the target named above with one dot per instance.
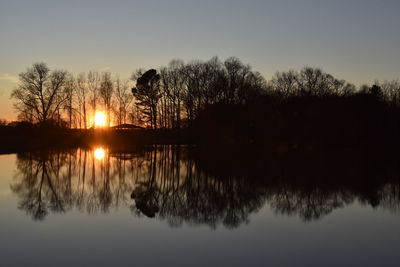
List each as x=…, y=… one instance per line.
x=169, y=183
x=176, y=190
x=59, y=181
x=39, y=187
x=310, y=204
x=391, y=197
x=162, y=182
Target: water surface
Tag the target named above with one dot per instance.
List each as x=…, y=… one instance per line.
x=168, y=206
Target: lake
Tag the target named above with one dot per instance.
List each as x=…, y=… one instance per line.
x=176, y=206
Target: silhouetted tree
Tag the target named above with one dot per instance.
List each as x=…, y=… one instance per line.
x=40, y=92
x=123, y=99
x=69, y=105
x=376, y=91
x=82, y=96
x=285, y=83
x=147, y=95
x=172, y=84
x=106, y=92
x=93, y=80
x=391, y=92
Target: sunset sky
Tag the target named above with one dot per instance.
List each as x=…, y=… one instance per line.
x=354, y=40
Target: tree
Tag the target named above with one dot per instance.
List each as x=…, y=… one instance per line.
x=309, y=81
x=172, y=84
x=81, y=93
x=235, y=74
x=93, y=81
x=40, y=92
x=285, y=83
x=69, y=91
x=147, y=95
x=391, y=92
x=192, y=95
x=123, y=100
x=106, y=93
x=376, y=91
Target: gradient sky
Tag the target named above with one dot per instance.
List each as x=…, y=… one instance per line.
x=356, y=40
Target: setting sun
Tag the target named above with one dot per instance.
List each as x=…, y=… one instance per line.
x=100, y=119
x=99, y=153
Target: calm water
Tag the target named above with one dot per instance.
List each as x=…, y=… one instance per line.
x=166, y=207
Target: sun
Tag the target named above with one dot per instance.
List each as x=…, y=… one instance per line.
x=99, y=153
x=100, y=119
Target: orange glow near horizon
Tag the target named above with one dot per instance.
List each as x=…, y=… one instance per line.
x=99, y=153
x=99, y=119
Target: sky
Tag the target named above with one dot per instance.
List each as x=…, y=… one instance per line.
x=355, y=40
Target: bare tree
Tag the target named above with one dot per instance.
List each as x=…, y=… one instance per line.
x=313, y=81
x=391, y=92
x=81, y=93
x=69, y=91
x=135, y=116
x=285, y=83
x=236, y=73
x=27, y=113
x=40, y=91
x=309, y=81
x=192, y=93
x=172, y=84
x=123, y=99
x=93, y=80
x=106, y=94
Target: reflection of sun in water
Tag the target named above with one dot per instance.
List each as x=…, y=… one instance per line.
x=99, y=153
x=100, y=119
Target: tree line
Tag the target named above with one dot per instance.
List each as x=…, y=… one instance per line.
x=71, y=101
x=172, y=96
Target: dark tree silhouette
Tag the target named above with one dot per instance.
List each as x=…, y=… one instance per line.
x=106, y=92
x=40, y=92
x=147, y=95
x=216, y=103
